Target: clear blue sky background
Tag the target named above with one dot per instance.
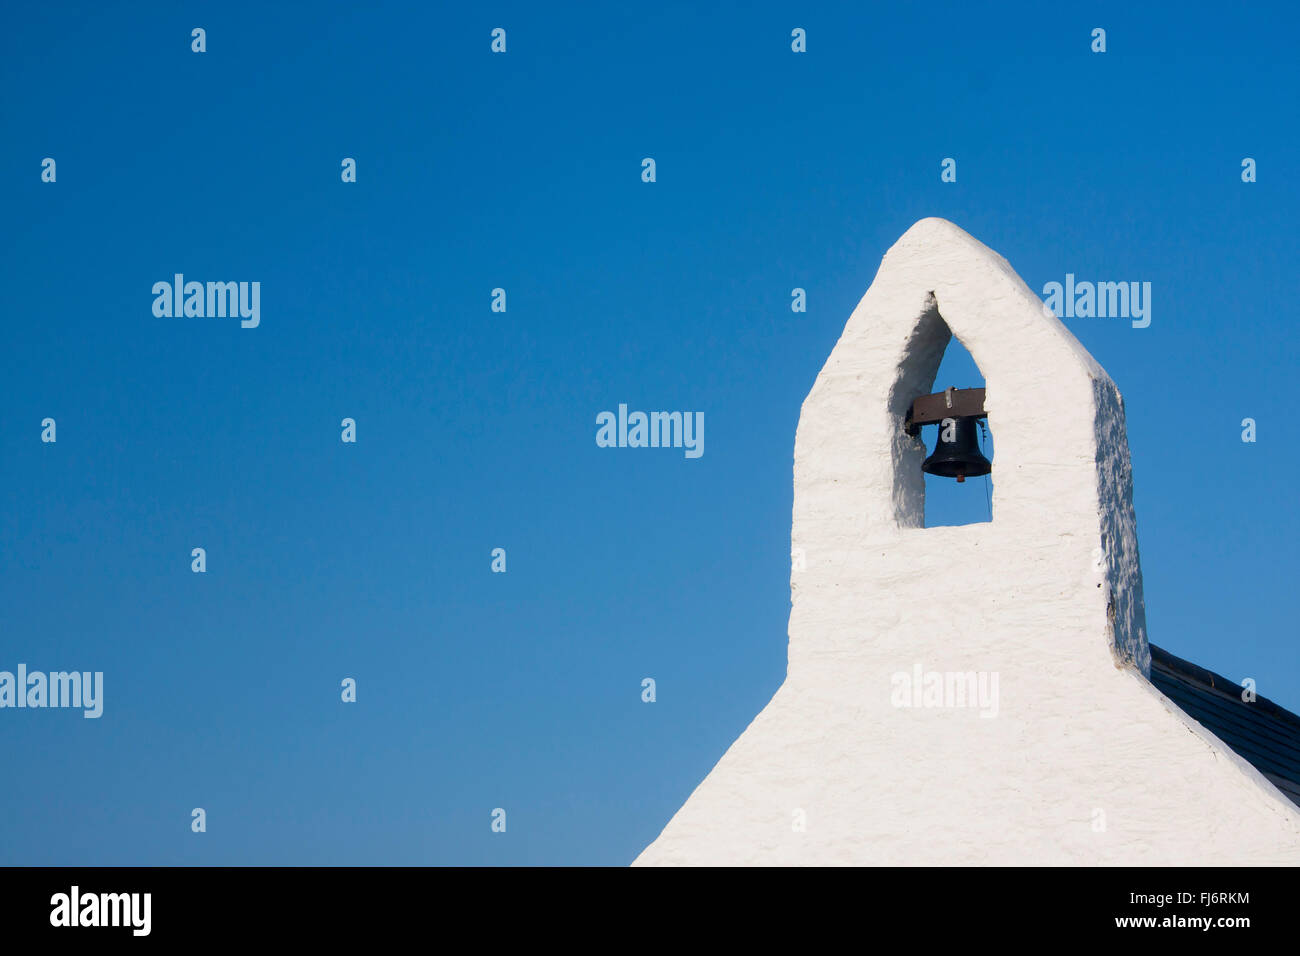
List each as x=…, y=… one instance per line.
x=476, y=430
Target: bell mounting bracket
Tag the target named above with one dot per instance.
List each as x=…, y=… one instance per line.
x=950, y=403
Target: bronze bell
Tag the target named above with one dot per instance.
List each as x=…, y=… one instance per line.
x=957, y=451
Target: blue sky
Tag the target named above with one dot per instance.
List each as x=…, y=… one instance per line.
x=476, y=429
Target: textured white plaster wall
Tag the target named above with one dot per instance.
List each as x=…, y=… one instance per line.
x=1048, y=595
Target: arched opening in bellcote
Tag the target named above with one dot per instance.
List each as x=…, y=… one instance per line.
x=946, y=451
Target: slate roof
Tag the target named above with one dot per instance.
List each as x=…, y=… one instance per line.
x=1261, y=732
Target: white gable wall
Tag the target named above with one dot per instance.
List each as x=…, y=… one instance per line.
x=1085, y=762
